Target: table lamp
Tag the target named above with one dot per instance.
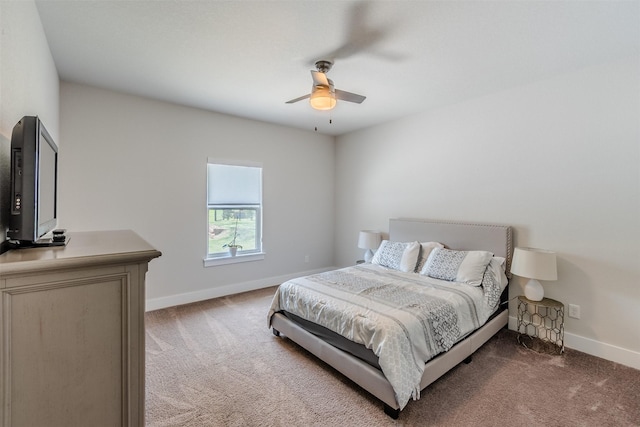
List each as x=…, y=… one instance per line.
x=369, y=240
x=534, y=264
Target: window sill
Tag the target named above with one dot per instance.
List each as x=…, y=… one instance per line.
x=223, y=260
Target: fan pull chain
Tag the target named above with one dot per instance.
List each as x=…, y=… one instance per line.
x=330, y=122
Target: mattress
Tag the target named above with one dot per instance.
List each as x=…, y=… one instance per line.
x=327, y=335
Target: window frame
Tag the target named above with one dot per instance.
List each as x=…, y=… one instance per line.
x=220, y=258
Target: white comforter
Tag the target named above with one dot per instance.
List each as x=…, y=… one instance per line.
x=405, y=318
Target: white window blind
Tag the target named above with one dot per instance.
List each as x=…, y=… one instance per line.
x=233, y=185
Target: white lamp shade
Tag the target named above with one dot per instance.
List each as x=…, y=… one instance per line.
x=369, y=239
x=534, y=263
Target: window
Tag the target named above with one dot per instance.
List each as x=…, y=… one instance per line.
x=234, y=211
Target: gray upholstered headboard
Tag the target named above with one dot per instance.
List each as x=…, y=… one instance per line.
x=455, y=235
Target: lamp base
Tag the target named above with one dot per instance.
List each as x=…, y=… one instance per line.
x=368, y=255
x=533, y=290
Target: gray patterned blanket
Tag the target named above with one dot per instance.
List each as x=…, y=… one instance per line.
x=404, y=318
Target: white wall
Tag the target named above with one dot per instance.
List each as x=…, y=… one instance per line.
x=28, y=83
x=134, y=163
x=558, y=159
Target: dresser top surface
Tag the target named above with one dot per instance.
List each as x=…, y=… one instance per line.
x=88, y=247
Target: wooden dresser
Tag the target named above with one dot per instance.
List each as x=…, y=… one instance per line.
x=72, y=332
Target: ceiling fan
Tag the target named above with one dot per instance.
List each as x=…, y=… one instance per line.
x=323, y=94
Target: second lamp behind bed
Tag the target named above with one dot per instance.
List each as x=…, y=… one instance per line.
x=369, y=240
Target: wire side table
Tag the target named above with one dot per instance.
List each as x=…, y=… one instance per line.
x=541, y=320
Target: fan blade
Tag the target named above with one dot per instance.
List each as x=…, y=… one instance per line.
x=298, y=99
x=364, y=36
x=319, y=78
x=349, y=97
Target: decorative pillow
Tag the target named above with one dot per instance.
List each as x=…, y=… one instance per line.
x=457, y=266
x=425, y=250
x=397, y=255
x=496, y=268
x=494, y=281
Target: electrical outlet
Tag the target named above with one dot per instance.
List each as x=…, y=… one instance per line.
x=306, y=258
x=574, y=311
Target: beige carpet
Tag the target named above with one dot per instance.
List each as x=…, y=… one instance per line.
x=215, y=363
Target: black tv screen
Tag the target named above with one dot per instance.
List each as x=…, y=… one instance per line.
x=34, y=182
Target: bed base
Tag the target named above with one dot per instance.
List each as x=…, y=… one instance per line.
x=372, y=379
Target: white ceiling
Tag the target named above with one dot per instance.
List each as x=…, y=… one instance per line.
x=246, y=58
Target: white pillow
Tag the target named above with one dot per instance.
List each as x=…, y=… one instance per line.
x=397, y=255
x=457, y=266
x=425, y=250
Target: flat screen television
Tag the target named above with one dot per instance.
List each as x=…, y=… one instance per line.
x=34, y=183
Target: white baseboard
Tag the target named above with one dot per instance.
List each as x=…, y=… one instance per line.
x=595, y=348
x=236, y=288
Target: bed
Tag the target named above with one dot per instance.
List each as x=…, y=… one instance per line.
x=396, y=325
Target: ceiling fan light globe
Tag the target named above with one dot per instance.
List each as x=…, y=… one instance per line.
x=322, y=99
